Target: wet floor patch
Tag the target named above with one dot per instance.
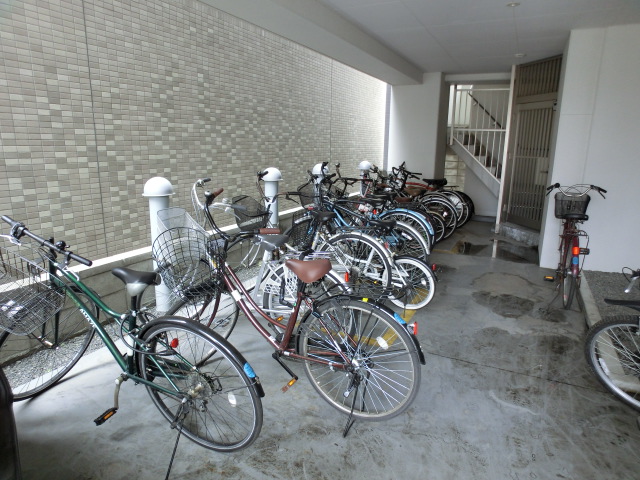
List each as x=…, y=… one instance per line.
x=504, y=304
x=467, y=248
x=515, y=253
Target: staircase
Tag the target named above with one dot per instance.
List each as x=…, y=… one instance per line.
x=477, y=134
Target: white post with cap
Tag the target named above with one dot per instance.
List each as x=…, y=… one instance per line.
x=364, y=167
x=271, y=180
x=158, y=190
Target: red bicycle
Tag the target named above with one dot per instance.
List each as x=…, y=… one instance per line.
x=571, y=207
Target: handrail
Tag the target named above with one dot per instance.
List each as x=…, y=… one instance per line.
x=493, y=119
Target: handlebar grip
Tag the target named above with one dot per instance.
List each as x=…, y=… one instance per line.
x=269, y=231
x=79, y=259
x=217, y=192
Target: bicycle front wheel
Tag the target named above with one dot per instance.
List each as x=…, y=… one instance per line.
x=415, y=281
x=612, y=348
x=362, y=360
x=36, y=362
x=216, y=400
x=366, y=262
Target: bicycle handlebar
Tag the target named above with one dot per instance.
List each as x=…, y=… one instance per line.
x=19, y=230
x=577, y=190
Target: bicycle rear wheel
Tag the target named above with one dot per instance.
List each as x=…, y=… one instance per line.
x=215, y=384
x=569, y=283
x=36, y=362
x=380, y=376
x=612, y=349
x=416, y=282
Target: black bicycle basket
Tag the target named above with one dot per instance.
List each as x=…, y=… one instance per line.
x=302, y=233
x=189, y=261
x=571, y=205
x=252, y=215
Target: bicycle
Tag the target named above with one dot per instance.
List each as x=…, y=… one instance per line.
x=571, y=206
x=359, y=356
x=48, y=316
x=612, y=350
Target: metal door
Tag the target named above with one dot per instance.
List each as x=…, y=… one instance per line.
x=530, y=163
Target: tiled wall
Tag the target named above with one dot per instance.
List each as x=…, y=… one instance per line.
x=98, y=96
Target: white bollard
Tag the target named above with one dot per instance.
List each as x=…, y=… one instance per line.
x=364, y=167
x=320, y=171
x=271, y=180
x=158, y=190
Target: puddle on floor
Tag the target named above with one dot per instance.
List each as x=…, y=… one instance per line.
x=515, y=253
x=501, y=249
x=467, y=248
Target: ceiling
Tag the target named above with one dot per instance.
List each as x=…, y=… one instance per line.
x=399, y=40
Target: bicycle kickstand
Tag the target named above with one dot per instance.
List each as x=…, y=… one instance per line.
x=177, y=422
x=112, y=411
x=355, y=385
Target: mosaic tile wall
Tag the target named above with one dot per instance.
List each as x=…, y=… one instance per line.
x=98, y=96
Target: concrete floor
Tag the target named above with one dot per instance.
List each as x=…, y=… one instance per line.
x=505, y=394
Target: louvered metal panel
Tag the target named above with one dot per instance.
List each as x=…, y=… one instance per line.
x=536, y=89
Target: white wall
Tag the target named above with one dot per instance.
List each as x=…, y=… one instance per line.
x=597, y=143
x=416, y=119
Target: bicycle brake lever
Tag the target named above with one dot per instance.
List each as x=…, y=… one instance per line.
x=630, y=286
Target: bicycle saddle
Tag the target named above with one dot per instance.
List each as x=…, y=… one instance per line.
x=270, y=241
x=322, y=215
x=309, y=271
x=135, y=280
x=386, y=225
x=436, y=182
x=575, y=216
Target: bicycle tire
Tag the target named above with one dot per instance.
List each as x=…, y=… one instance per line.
x=366, y=261
x=417, y=280
x=406, y=240
x=224, y=406
x=416, y=219
x=448, y=212
x=569, y=283
x=439, y=226
x=384, y=362
x=33, y=369
x=612, y=351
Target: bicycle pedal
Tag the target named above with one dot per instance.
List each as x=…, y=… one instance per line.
x=549, y=278
x=106, y=416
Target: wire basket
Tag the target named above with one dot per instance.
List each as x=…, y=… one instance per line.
x=252, y=215
x=175, y=217
x=301, y=234
x=571, y=205
x=27, y=297
x=309, y=195
x=189, y=262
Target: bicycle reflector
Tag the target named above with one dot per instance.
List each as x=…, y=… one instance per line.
x=575, y=251
x=414, y=327
x=174, y=343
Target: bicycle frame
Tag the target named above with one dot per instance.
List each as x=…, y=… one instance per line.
x=242, y=296
x=126, y=320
